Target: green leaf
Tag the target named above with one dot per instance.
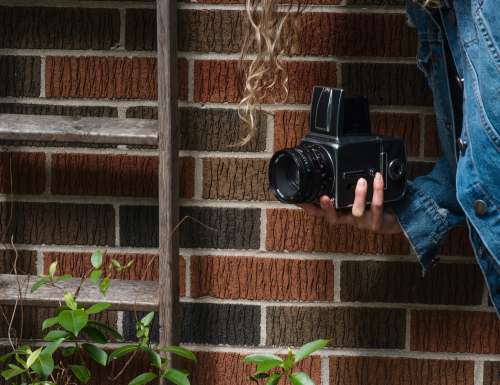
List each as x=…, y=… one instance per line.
x=52, y=269
x=73, y=320
x=33, y=357
x=176, y=376
x=104, y=285
x=154, y=357
x=97, y=354
x=44, y=366
x=273, y=379
x=122, y=351
x=95, y=276
x=106, y=329
x=7, y=356
x=81, y=372
x=55, y=335
x=143, y=378
x=260, y=358
x=69, y=351
x=53, y=346
x=96, y=259
x=147, y=319
x=63, y=278
x=309, y=348
x=95, y=335
x=69, y=299
x=12, y=372
x=290, y=359
x=180, y=351
x=38, y=284
x=265, y=366
x=116, y=264
x=97, y=308
x=49, y=322
x=300, y=378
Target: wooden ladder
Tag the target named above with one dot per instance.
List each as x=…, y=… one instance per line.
x=161, y=296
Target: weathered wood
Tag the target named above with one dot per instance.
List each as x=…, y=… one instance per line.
x=122, y=295
x=168, y=291
x=78, y=130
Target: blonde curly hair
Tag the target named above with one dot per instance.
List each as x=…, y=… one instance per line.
x=272, y=32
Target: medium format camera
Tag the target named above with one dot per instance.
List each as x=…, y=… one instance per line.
x=337, y=152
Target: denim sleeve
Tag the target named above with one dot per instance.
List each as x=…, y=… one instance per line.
x=428, y=211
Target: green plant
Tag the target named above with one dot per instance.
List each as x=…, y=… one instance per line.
x=272, y=369
x=72, y=337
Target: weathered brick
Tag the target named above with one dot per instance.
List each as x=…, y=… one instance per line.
x=261, y=278
x=399, y=371
x=19, y=76
x=22, y=263
x=387, y=84
x=106, y=77
x=144, y=268
x=207, y=323
x=59, y=28
x=457, y=243
x=343, y=326
x=289, y=128
x=373, y=281
x=22, y=173
x=431, y=140
x=213, y=129
x=491, y=373
x=236, y=179
x=225, y=228
x=140, y=29
x=113, y=175
x=217, y=81
x=294, y=230
x=455, y=331
x=57, y=223
x=47, y=109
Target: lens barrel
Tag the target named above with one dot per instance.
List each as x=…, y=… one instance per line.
x=301, y=174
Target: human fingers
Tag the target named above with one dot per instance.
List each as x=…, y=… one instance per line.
x=312, y=209
x=377, y=205
x=358, y=207
x=330, y=211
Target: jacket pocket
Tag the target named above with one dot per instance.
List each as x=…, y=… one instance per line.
x=486, y=18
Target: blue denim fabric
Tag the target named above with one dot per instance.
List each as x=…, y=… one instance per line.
x=449, y=194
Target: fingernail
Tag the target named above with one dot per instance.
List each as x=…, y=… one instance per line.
x=361, y=183
x=378, y=177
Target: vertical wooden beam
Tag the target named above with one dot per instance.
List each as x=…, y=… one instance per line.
x=168, y=171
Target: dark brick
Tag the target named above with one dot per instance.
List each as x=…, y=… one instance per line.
x=491, y=373
x=376, y=2
x=47, y=109
x=142, y=112
x=24, y=262
x=457, y=243
x=399, y=371
x=294, y=230
x=387, y=84
x=139, y=226
x=206, y=323
x=343, y=326
x=57, y=223
x=416, y=169
x=19, y=76
x=431, y=141
x=455, y=331
x=140, y=29
x=371, y=281
x=22, y=173
x=59, y=28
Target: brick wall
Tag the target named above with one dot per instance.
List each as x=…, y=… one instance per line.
x=270, y=276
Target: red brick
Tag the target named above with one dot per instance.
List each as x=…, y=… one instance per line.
x=399, y=371
x=491, y=373
x=261, y=278
x=22, y=173
x=229, y=369
x=114, y=175
x=294, y=230
x=145, y=267
x=289, y=128
x=216, y=81
x=106, y=77
x=455, y=332
x=457, y=243
x=431, y=140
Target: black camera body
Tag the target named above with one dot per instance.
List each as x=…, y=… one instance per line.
x=338, y=150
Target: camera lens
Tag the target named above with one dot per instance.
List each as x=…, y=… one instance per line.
x=301, y=174
x=396, y=169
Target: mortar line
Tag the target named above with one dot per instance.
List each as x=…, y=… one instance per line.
x=263, y=229
x=190, y=80
x=325, y=371
x=116, y=208
x=39, y=262
x=263, y=325
x=122, y=112
x=336, y=280
x=270, y=133
x=119, y=322
x=408, y=330
x=187, y=274
x=198, y=178
x=123, y=24
x=478, y=372
x=43, y=61
x=48, y=173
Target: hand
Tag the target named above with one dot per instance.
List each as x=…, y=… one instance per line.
x=375, y=219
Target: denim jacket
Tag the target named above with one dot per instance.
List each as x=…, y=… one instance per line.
x=465, y=183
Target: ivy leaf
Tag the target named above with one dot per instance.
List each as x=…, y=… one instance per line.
x=49, y=322
x=147, y=319
x=52, y=269
x=95, y=335
x=12, y=372
x=154, y=357
x=143, y=378
x=69, y=299
x=273, y=379
x=73, y=320
x=63, y=278
x=176, y=376
x=104, y=285
x=265, y=366
x=180, y=351
x=300, y=378
x=309, y=348
x=80, y=372
x=97, y=308
x=55, y=335
x=33, y=357
x=38, y=284
x=122, y=351
x=96, y=259
x=44, y=365
x=259, y=358
x=97, y=354
x=53, y=346
x=95, y=276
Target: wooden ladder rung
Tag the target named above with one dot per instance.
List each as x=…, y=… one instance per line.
x=122, y=295
x=78, y=130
